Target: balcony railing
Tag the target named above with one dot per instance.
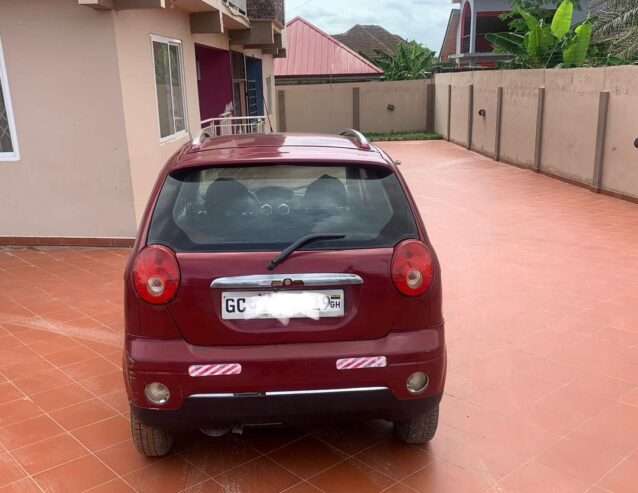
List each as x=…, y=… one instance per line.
x=234, y=125
x=241, y=5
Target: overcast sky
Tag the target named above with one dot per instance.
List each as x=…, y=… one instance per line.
x=422, y=20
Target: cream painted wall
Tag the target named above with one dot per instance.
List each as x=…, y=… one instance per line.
x=520, y=109
x=620, y=173
x=321, y=108
x=133, y=29
x=441, y=82
x=72, y=179
x=460, y=107
x=327, y=108
x=409, y=99
x=486, y=86
x=570, y=120
x=571, y=116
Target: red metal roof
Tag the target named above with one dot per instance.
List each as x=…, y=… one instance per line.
x=313, y=53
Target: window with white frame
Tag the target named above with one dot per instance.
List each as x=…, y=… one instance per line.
x=169, y=81
x=8, y=138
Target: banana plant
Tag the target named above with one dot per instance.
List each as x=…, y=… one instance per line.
x=542, y=44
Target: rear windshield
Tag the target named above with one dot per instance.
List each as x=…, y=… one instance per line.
x=267, y=208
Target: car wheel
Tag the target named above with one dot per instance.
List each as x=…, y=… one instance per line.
x=151, y=441
x=418, y=430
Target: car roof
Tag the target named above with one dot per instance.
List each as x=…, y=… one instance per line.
x=279, y=148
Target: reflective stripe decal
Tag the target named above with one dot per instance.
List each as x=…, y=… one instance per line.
x=359, y=363
x=218, y=370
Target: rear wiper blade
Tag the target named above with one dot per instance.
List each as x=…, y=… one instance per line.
x=304, y=240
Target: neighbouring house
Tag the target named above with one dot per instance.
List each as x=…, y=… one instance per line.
x=449, y=41
x=314, y=57
x=96, y=95
x=465, y=40
x=369, y=41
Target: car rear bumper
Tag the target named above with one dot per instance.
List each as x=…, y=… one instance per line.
x=284, y=382
x=202, y=412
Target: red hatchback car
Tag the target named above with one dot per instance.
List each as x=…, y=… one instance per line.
x=277, y=278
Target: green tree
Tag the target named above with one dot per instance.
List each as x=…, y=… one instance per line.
x=411, y=61
x=616, y=27
x=541, y=42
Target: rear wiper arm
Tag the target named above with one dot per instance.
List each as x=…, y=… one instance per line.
x=304, y=240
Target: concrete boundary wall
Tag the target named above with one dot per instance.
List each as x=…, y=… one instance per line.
x=580, y=125
x=374, y=106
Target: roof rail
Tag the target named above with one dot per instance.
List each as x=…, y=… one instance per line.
x=360, y=139
x=199, y=140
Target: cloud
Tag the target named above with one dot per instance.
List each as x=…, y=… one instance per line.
x=421, y=20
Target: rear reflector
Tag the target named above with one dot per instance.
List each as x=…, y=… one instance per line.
x=359, y=363
x=215, y=370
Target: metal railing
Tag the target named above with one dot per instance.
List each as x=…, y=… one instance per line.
x=234, y=125
x=239, y=4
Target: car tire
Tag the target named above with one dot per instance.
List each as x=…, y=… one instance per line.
x=418, y=430
x=149, y=440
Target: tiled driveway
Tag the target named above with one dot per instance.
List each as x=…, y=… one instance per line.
x=541, y=301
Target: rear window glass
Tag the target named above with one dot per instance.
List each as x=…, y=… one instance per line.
x=269, y=207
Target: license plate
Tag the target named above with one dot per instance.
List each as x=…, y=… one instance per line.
x=267, y=305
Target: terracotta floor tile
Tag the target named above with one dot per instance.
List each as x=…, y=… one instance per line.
x=52, y=400
x=115, y=486
x=117, y=400
x=103, y=384
x=33, y=364
x=10, y=471
x=9, y=392
x=307, y=457
x=304, y=487
x=399, y=488
x=68, y=357
x=566, y=409
x=630, y=398
x=623, y=478
x=170, y=475
x=42, y=381
x=27, y=432
x=208, y=486
x=104, y=434
x=49, y=453
x=91, y=368
x=217, y=455
x=259, y=476
x=124, y=458
x=82, y=414
x=19, y=410
x=351, y=475
x=75, y=476
x=395, y=459
x=582, y=458
x=442, y=477
x=22, y=486
x=534, y=478
x=267, y=439
x=354, y=437
x=616, y=424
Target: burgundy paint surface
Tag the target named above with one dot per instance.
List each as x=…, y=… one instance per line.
x=215, y=81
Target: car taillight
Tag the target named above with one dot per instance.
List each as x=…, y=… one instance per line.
x=412, y=268
x=156, y=275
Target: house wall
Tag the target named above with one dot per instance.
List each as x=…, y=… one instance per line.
x=133, y=29
x=330, y=107
x=73, y=176
x=569, y=124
